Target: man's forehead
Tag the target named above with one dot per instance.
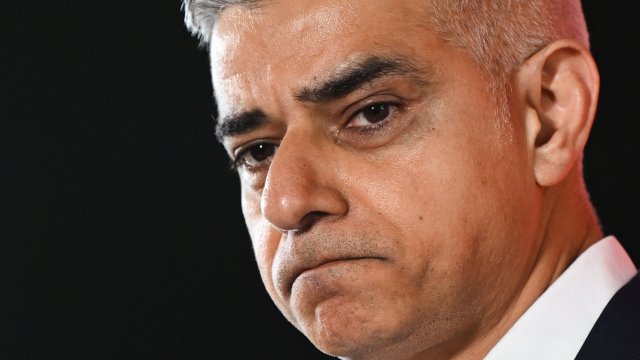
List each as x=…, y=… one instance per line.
x=304, y=23
x=277, y=31
x=252, y=45
x=294, y=17
x=293, y=31
x=298, y=43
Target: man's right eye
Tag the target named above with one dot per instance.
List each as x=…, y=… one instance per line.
x=255, y=155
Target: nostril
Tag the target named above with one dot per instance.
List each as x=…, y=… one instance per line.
x=310, y=219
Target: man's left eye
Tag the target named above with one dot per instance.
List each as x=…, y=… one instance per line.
x=372, y=114
x=255, y=155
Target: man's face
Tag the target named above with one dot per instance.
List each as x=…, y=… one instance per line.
x=390, y=210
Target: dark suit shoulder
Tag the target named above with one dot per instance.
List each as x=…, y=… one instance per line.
x=616, y=333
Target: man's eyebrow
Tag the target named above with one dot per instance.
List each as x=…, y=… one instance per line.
x=355, y=76
x=239, y=123
x=347, y=80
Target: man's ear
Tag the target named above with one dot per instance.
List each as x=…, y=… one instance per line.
x=560, y=86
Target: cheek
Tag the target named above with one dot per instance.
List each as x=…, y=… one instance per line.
x=443, y=194
x=250, y=202
x=264, y=238
x=266, y=241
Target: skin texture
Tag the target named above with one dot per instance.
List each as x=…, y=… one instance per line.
x=424, y=235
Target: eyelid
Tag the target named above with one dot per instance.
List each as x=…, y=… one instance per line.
x=372, y=99
x=385, y=88
x=397, y=105
x=246, y=145
x=240, y=151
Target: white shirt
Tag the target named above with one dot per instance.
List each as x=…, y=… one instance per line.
x=558, y=322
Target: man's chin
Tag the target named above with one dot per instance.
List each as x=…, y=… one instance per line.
x=350, y=308
x=342, y=343
x=346, y=328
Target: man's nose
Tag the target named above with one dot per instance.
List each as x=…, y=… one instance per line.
x=303, y=184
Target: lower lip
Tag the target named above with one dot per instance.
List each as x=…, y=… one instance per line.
x=334, y=265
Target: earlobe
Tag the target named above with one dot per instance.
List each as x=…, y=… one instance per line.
x=561, y=85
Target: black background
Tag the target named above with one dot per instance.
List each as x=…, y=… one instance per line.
x=122, y=235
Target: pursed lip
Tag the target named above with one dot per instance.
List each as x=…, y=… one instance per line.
x=322, y=263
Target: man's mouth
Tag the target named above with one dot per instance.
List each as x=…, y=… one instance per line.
x=327, y=264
